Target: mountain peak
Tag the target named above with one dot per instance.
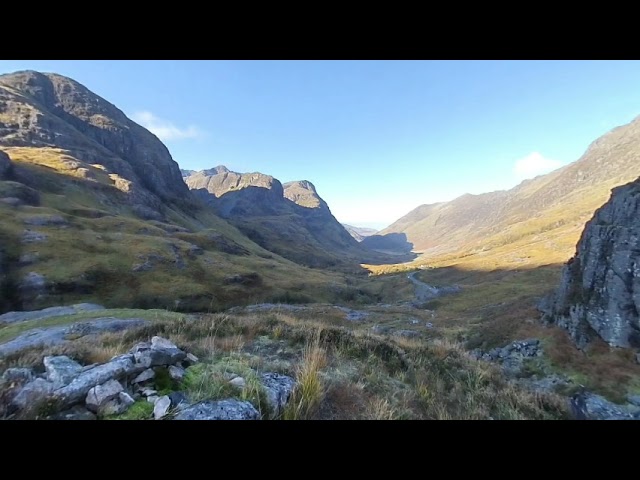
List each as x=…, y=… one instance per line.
x=304, y=193
x=53, y=111
x=218, y=169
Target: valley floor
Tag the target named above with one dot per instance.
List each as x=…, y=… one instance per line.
x=413, y=354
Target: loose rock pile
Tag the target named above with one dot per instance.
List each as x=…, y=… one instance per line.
x=584, y=405
x=68, y=390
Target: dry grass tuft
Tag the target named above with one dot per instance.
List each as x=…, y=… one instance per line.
x=309, y=389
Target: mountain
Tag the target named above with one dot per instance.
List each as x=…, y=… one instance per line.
x=291, y=220
x=47, y=111
x=359, y=233
x=599, y=294
x=547, y=212
x=94, y=208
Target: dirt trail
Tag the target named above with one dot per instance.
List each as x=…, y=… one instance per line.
x=425, y=292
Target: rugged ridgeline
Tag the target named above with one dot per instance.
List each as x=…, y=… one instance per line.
x=291, y=219
x=600, y=289
x=45, y=111
x=546, y=213
x=93, y=208
x=359, y=233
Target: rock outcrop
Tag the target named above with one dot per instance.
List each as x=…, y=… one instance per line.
x=68, y=390
x=16, y=317
x=599, y=293
x=5, y=165
x=60, y=334
x=219, y=410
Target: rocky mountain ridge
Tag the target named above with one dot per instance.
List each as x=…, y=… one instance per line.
x=291, y=219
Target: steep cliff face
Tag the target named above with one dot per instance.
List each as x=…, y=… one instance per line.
x=45, y=110
x=600, y=289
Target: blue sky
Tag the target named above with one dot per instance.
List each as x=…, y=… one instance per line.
x=377, y=138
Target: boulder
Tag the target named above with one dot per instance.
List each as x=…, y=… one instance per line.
x=176, y=373
x=588, y=406
x=147, y=392
x=99, y=395
x=278, y=388
x=79, y=387
x=126, y=399
x=178, y=400
x=161, y=407
x=145, y=376
x=32, y=393
x=17, y=376
x=61, y=370
x=219, y=410
x=191, y=359
x=161, y=352
x=238, y=382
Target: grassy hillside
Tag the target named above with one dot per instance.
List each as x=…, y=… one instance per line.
x=95, y=247
x=547, y=212
x=341, y=373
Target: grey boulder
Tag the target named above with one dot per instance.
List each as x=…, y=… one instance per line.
x=278, y=388
x=61, y=370
x=99, y=395
x=161, y=407
x=219, y=410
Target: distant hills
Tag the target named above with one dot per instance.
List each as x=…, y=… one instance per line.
x=291, y=219
x=359, y=233
x=546, y=213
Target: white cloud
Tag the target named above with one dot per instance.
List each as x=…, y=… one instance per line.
x=164, y=129
x=534, y=164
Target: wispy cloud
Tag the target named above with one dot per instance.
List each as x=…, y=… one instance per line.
x=534, y=164
x=164, y=129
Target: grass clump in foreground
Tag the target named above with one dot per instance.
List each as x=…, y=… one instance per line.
x=340, y=373
x=308, y=392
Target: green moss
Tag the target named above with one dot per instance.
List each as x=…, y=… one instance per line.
x=141, y=410
x=163, y=381
x=210, y=381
